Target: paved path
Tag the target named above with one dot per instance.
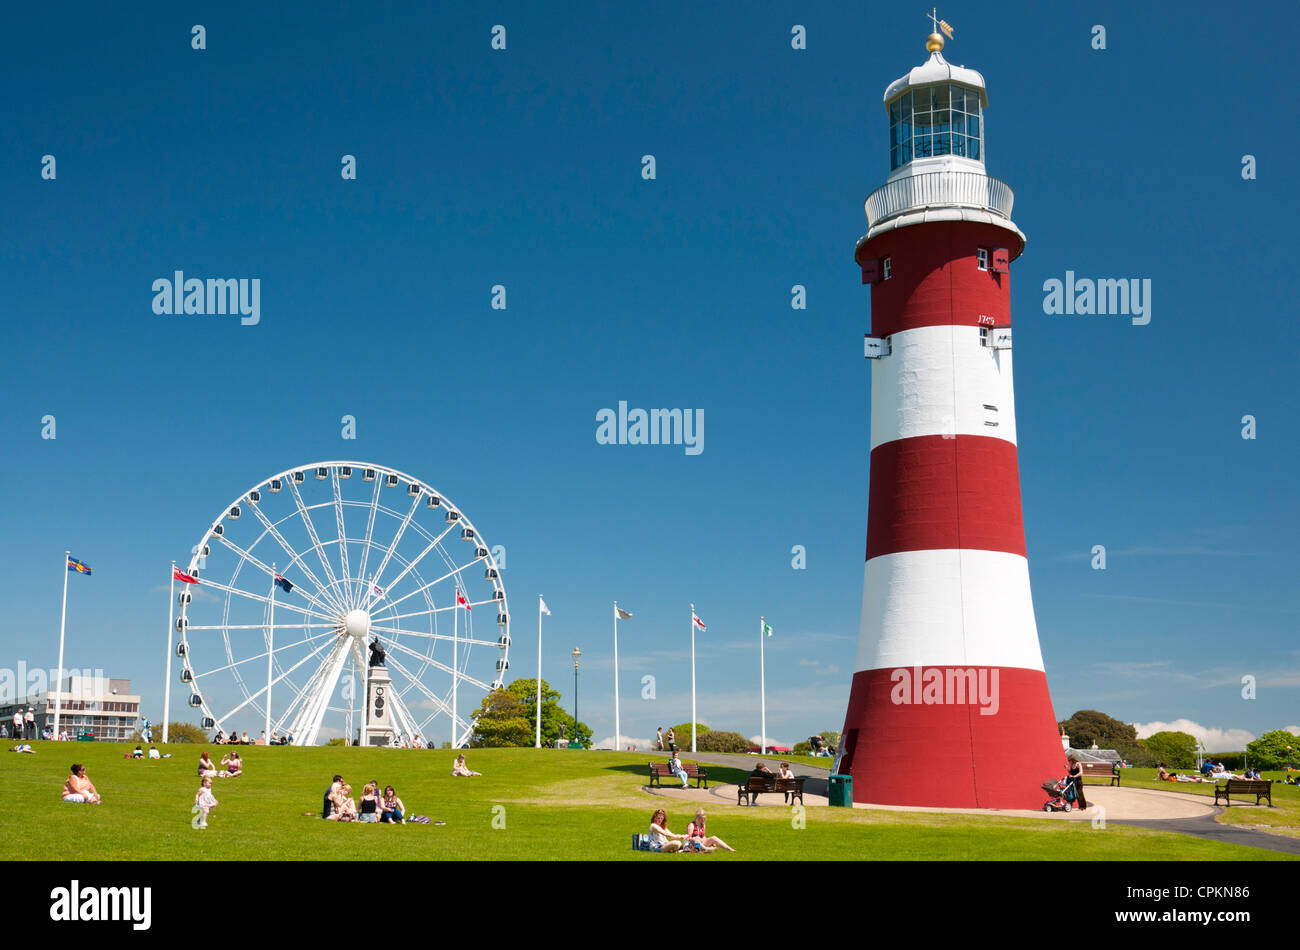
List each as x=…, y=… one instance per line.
x=1141, y=807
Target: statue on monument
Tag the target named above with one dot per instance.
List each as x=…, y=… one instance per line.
x=377, y=654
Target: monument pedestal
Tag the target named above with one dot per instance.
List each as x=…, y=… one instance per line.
x=379, y=729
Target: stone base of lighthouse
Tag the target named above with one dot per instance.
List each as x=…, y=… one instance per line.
x=951, y=737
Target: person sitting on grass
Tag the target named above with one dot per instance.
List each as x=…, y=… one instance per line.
x=461, y=770
x=345, y=809
x=137, y=753
x=78, y=789
x=154, y=753
x=232, y=764
x=391, y=808
x=675, y=766
x=370, y=803
x=327, y=809
x=701, y=839
x=661, y=839
x=23, y=747
x=206, y=768
x=204, y=801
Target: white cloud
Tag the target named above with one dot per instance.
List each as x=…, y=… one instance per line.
x=1214, y=740
x=608, y=743
x=1294, y=730
x=771, y=741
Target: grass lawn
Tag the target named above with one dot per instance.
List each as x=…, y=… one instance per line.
x=554, y=805
x=1284, y=819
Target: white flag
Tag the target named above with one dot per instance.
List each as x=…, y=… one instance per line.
x=622, y=614
x=542, y=606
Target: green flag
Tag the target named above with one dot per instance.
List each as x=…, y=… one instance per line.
x=767, y=628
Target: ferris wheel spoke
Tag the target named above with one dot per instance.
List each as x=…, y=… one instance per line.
x=262, y=598
x=397, y=537
x=414, y=681
x=307, y=724
x=252, y=626
x=260, y=656
x=455, y=572
x=432, y=662
x=277, y=679
x=319, y=598
x=418, y=558
x=435, y=636
x=370, y=533
x=311, y=533
x=345, y=592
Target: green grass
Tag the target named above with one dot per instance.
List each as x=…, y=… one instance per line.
x=1283, y=819
x=555, y=804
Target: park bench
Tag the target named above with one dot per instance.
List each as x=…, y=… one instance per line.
x=1101, y=770
x=791, y=788
x=660, y=770
x=1260, y=788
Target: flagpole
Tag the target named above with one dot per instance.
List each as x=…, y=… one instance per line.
x=538, y=714
x=455, y=652
x=762, y=689
x=58, y=689
x=618, y=745
x=270, y=653
x=692, y=677
x=167, y=681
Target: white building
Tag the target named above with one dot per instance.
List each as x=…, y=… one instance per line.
x=96, y=705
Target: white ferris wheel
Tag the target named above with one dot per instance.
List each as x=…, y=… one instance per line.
x=299, y=574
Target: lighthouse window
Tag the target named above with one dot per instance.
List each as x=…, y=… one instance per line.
x=887, y=268
x=935, y=120
x=982, y=258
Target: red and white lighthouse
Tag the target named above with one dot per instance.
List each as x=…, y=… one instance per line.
x=949, y=705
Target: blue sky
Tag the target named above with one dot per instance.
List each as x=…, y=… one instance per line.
x=523, y=168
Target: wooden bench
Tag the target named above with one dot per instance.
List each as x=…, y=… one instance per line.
x=1101, y=770
x=791, y=788
x=1260, y=788
x=660, y=770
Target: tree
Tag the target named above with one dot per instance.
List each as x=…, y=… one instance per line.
x=553, y=714
x=1270, y=751
x=182, y=732
x=682, y=735
x=502, y=720
x=1175, y=749
x=1088, y=726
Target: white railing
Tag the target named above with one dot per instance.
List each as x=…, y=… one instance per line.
x=939, y=190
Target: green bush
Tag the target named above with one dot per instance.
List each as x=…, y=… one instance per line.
x=802, y=748
x=1270, y=751
x=682, y=733
x=722, y=741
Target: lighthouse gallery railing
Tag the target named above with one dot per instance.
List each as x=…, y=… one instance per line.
x=939, y=190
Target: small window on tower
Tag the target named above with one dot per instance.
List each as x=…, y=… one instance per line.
x=982, y=258
x=886, y=268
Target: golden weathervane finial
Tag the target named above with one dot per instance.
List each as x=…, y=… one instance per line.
x=934, y=42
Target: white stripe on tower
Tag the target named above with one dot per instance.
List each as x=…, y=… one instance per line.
x=936, y=381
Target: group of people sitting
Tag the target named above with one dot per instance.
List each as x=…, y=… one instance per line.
x=139, y=753
x=242, y=739
x=1209, y=772
x=232, y=766
x=697, y=839
x=374, y=807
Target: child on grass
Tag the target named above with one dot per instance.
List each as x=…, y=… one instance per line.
x=204, y=801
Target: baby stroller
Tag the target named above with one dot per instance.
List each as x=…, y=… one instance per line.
x=1061, y=795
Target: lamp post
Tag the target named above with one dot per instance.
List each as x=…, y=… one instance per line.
x=576, y=655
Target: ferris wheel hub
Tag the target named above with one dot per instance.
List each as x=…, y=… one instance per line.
x=357, y=624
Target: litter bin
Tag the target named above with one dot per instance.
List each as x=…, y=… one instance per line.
x=841, y=791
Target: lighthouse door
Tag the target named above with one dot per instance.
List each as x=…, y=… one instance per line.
x=844, y=763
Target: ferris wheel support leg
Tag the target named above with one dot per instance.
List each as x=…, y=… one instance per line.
x=322, y=689
x=404, y=719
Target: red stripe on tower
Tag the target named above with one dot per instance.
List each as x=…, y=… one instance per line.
x=949, y=704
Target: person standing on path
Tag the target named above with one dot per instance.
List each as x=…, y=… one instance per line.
x=1076, y=776
x=659, y=739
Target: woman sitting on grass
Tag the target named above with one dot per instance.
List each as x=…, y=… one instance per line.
x=78, y=789
x=345, y=809
x=461, y=770
x=370, y=803
x=700, y=839
x=206, y=768
x=232, y=764
x=391, y=808
x=661, y=839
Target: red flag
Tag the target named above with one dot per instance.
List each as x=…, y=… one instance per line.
x=460, y=599
x=178, y=574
